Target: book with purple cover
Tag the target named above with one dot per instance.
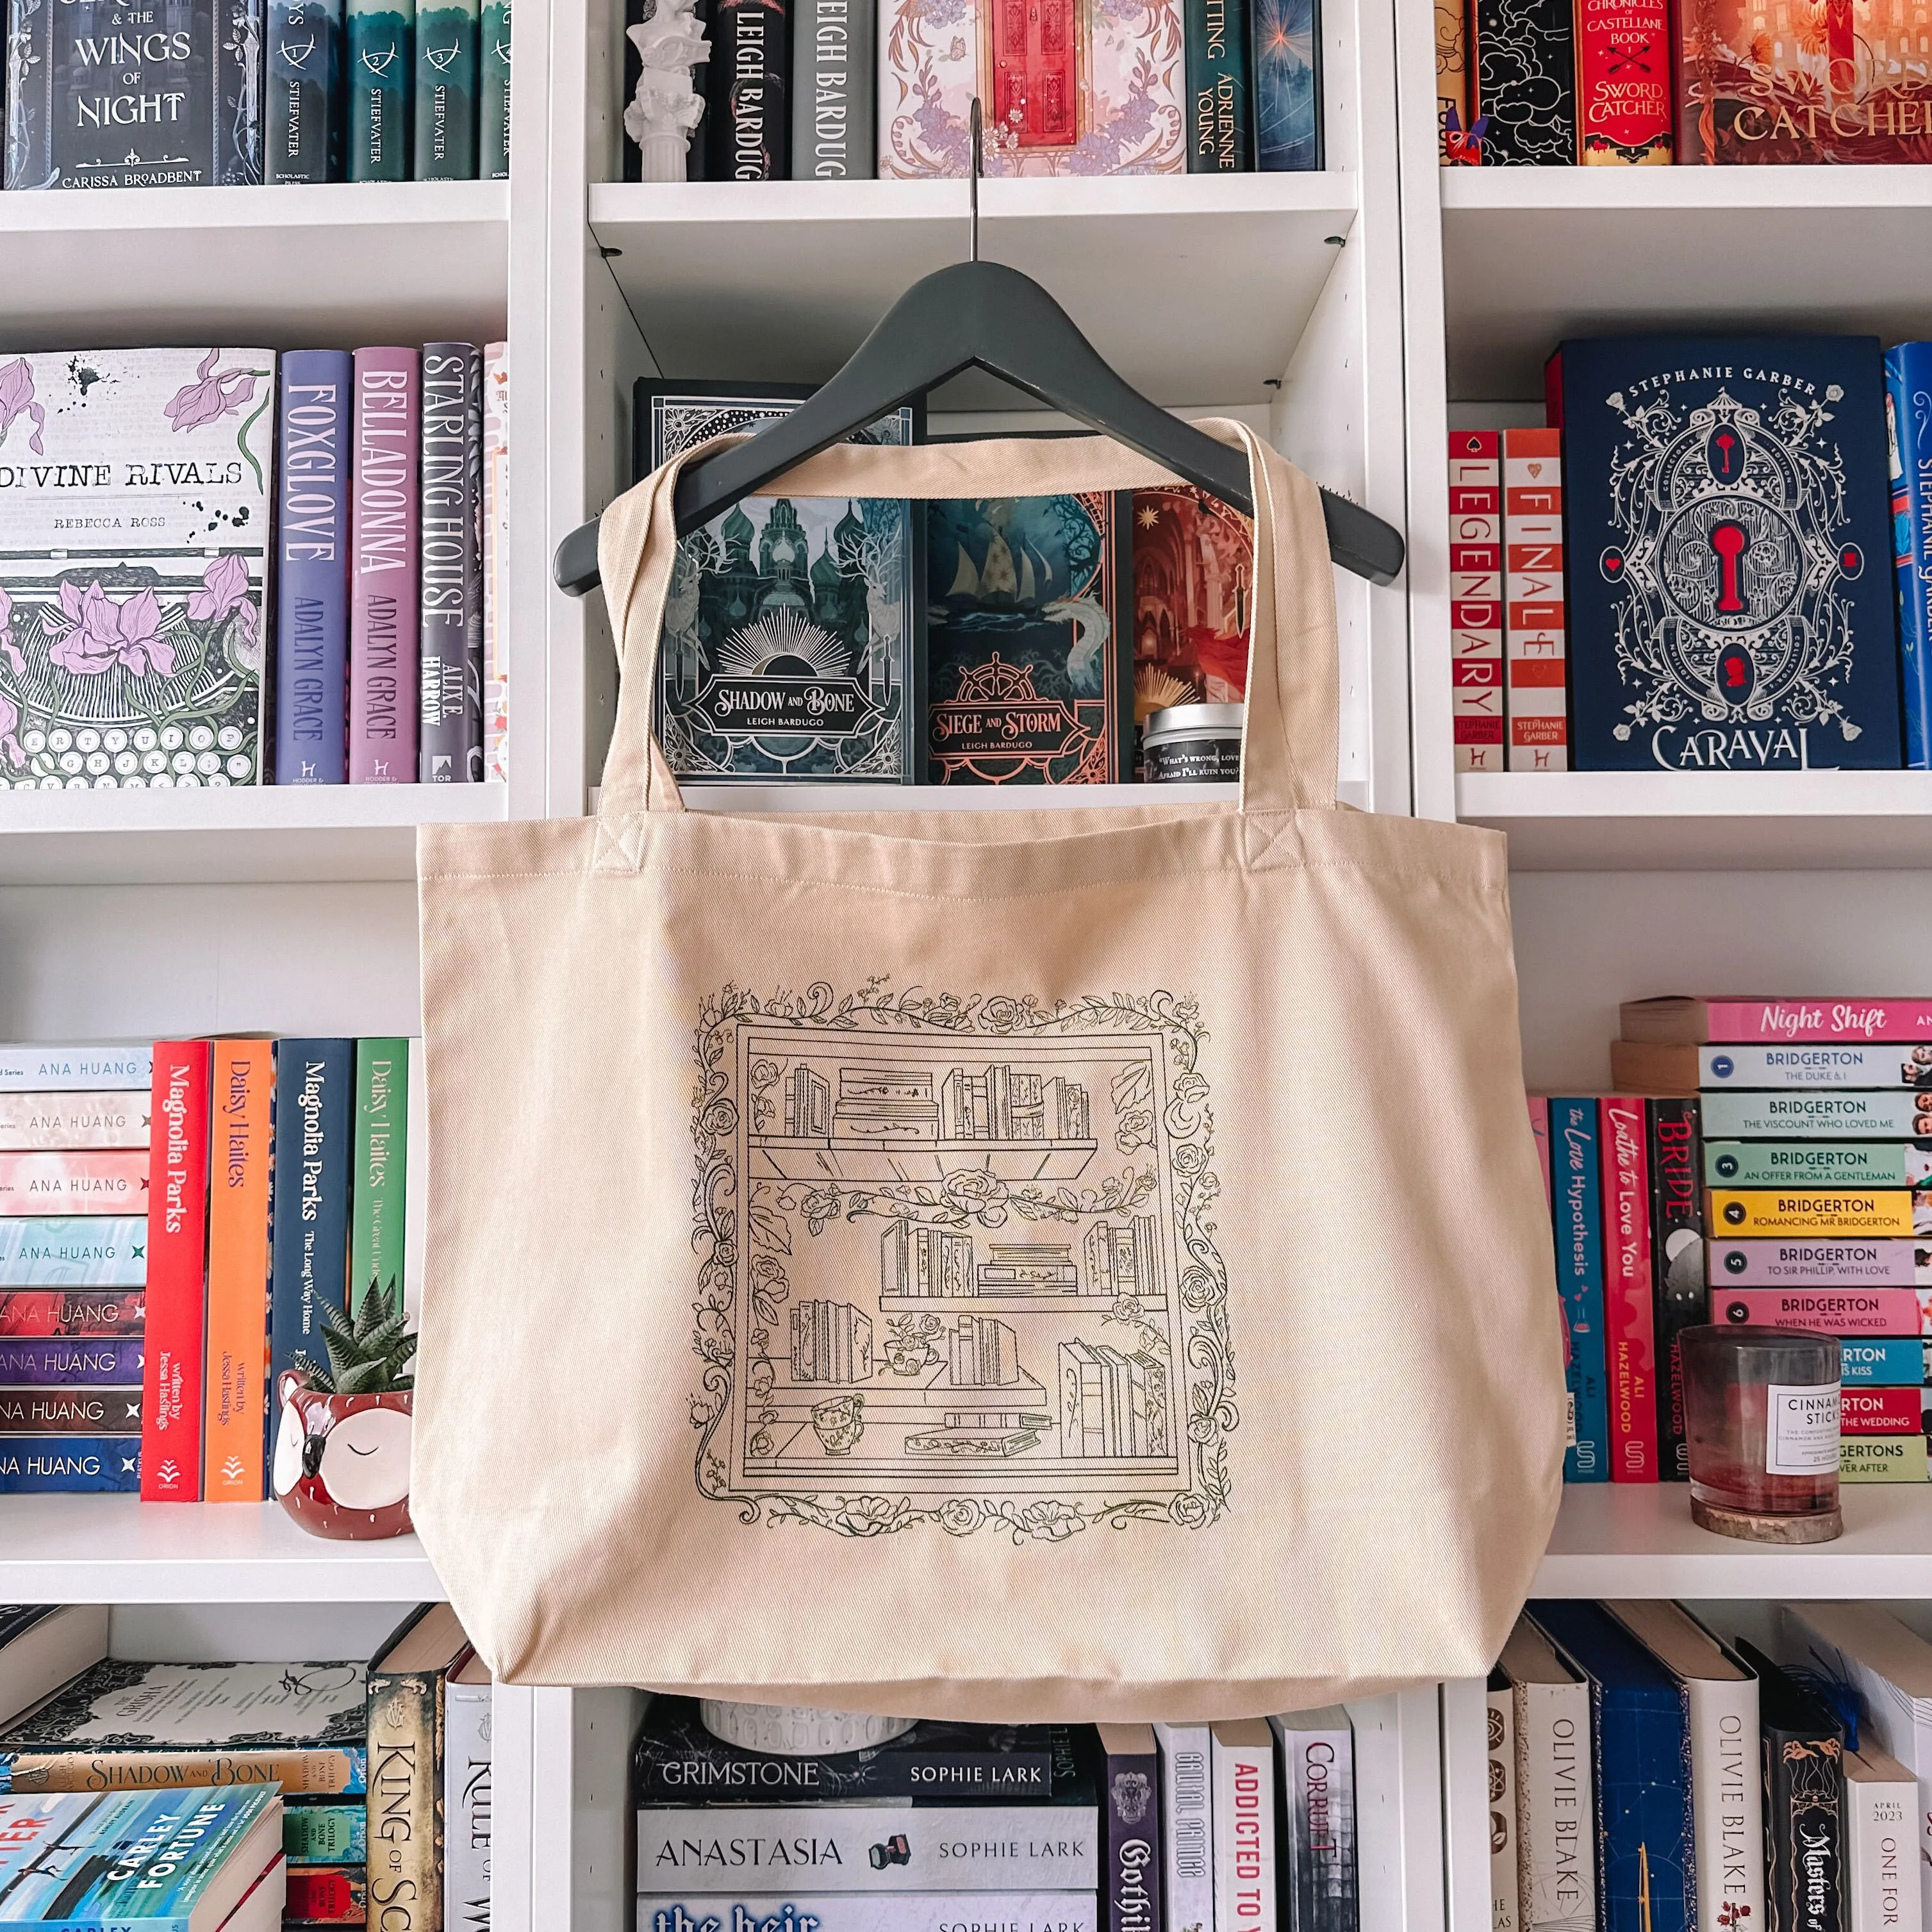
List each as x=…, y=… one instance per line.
x=385, y=526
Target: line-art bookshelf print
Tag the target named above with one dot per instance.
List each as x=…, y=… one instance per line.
x=965, y=1258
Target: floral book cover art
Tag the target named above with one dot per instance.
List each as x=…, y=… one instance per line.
x=789, y=633
x=1026, y=657
x=133, y=566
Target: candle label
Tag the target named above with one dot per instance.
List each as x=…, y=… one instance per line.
x=1801, y=1430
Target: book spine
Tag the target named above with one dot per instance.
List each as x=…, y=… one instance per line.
x=323, y=1772
x=1476, y=598
x=1796, y=1022
x=71, y=1120
x=1881, y=1411
x=67, y=1465
x=1893, y=1364
x=1834, y=1167
x=892, y=1912
x=1536, y=652
x=325, y=1834
x=493, y=131
x=1908, y=423
x=1727, y=1802
x=383, y=669
x=49, y=1361
x=71, y=1315
x=309, y=1206
x=1646, y=1863
x=1676, y=1266
x=303, y=142
x=448, y=43
x=834, y=57
x=1284, y=51
x=451, y=560
x=379, y=1227
x=1843, y=1063
x=1130, y=1810
x=1805, y=1839
x=1220, y=94
x=74, y=1070
x=1818, y=1116
x=1244, y=1847
x=1318, y=1769
x=1883, y=1459
x=405, y=1799
x=746, y=84
x=90, y=1251
x=1505, y=1881
x=312, y=568
x=1770, y=1211
x=1881, y=1311
x=105, y=1180
x=1573, y=1146
x=1523, y=82
x=381, y=37
x=71, y=1412
x=171, y=1387
x=1881, y=1880
x=1452, y=85
x=416, y=1186
x=327, y=1894
x=1817, y=1264
x=1556, y=1808
x=496, y=562
x=1630, y=1329
x=1188, y=1842
x=1624, y=111
x=466, y=1766
x=237, y=62
x=238, y=1271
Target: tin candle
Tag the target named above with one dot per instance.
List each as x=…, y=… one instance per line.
x=1761, y=1420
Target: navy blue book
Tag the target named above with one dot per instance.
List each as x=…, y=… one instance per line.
x=1646, y=1870
x=1908, y=418
x=70, y=1464
x=306, y=106
x=1726, y=519
x=309, y=1198
x=1577, y=1198
x=1286, y=61
x=312, y=568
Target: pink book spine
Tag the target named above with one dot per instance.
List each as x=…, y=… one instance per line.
x=1535, y=620
x=1742, y=1021
x=385, y=526
x=1476, y=598
x=72, y=1182
x=1539, y=1126
x=1630, y=1327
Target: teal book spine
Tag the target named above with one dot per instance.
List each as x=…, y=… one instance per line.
x=1220, y=102
x=447, y=37
x=382, y=42
x=492, y=132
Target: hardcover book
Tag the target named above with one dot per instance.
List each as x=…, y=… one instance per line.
x=381, y=38
x=1026, y=665
x=311, y=1191
x=1537, y=698
x=1853, y=87
x=493, y=140
x=171, y=1408
x=1505, y=1879
x=132, y=578
x=328, y=1895
x=467, y=1765
x=1457, y=142
x=1624, y=111
x=312, y=568
x=87, y=1251
x=327, y=1834
x=1803, y=1746
x=406, y=1737
x=1186, y=1797
x=1317, y=1845
x=1242, y=1756
x=1881, y=1822
x=448, y=43
x=1131, y=1823
x=1072, y=87
x=378, y=1224
x=238, y=1272
x=1476, y=625
x=1220, y=92
x=167, y=98
x=495, y=727
x=796, y=613
x=305, y=93
x=72, y=1315
x=1287, y=56
x=1522, y=72
x=450, y=742
x=1193, y=599
x=834, y=52
x=1908, y=426
x=74, y=1120
x=385, y=527
x=1731, y=606
x=747, y=123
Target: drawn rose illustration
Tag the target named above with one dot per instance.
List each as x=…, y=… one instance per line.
x=224, y=592
x=216, y=394
x=106, y=634
x=16, y=400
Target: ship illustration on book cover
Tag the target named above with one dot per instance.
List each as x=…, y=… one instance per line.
x=1026, y=665
x=1726, y=518
x=790, y=643
x=132, y=572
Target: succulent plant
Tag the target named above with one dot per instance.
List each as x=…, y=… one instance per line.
x=369, y=1353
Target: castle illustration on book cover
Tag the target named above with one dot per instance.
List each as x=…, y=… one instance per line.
x=954, y=1264
x=789, y=646
x=1730, y=497
x=1026, y=663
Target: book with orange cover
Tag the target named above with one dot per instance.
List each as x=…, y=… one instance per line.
x=238, y=1270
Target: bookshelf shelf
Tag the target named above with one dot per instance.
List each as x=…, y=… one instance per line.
x=334, y=266
x=1687, y=821
x=1637, y=1540
x=234, y=835
x=792, y=799
x=781, y=280
x=116, y=1549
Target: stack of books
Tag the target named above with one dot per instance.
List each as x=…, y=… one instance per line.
x=1247, y=1827
x=74, y=1264
x=1642, y=1772
x=1817, y=1160
x=383, y=1770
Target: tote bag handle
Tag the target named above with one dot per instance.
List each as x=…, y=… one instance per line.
x=1289, y=747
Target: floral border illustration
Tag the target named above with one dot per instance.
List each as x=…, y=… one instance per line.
x=969, y=1197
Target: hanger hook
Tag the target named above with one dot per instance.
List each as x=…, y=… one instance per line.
x=973, y=253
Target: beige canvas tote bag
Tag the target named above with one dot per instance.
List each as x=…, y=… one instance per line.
x=1002, y=1264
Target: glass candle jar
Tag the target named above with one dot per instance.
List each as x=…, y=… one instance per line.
x=1761, y=1418
x=1193, y=744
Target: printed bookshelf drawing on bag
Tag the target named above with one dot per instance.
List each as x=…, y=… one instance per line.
x=954, y=1265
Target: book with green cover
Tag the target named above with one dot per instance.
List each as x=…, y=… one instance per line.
x=447, y=33
x=493, y=133
x=380, y=1156
x=382, y=69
